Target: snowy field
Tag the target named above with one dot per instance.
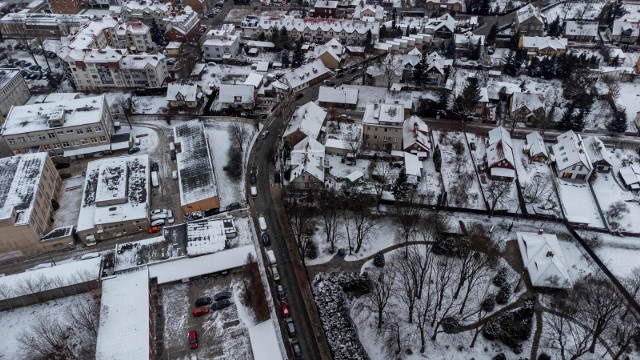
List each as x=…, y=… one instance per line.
x=579, y=204
x=630, y=98
x=458, y=173
x=608, y=191
x=574, y=10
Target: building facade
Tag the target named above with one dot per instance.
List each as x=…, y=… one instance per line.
x=382, y=127
x=220, y=45
x=58, y=127
x=148, y=12
x=28, y=184
x=13, y=90
x=529, y=21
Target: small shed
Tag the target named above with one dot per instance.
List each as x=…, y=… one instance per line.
x=354, y=177
x=337, y=147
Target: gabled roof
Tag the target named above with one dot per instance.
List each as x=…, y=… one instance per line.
x=596, y=150
x=499, y=134
x=445, y=21
x=544, y=260
x=544, y=42
x=308, y=156
x=581, y=28
x=189, y=91
x=621, y=25
x=305, y=73
x=228, y=92
x=527, y=12
x=631, y=176
x=386, y=113
x=415, y=132
x=531, y=102
x=469, y=39
x=500, y=147
x=254, y=80
x=535, y=144
x=339, y=95
x=569, y=151
x=308, y=119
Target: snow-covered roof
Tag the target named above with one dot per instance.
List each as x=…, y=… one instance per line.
x=415, y=132
x=36, y=117
x=499, y=134
x=581, y=28
x=19, y=182
x=229, y=92
x=124, y=327
x=596, y=150
x=544, y=42
x=290, y=23
x=544, y=260
x=196, y=178
x=261, y=44
x=184, y=268
x=436, y=24
x=254, y=80
x=66, y=274
x=337, y=144
x=494, y=88
x=469, y=39
x=307, y=119
x=305, y=73
x=527, y=12
x=6, y=76
x=264, y=341
x=367, y=10
x=412, y=165
x=631, y=176
x=339, y=95
x=103, y=176
x=188, y=91
x=391, y=114
x=622, y=25
x=208, y=236
x=56, y=97
x=138, y=6
x=500, y=147
x=569, y=151
x=502, y=172
x=531, y=102
x=536, y=145
x=307, y=156
x=223, y=39
x=354, y=176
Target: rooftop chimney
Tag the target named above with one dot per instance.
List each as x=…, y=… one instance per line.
x=540, y=232
x=549, y=253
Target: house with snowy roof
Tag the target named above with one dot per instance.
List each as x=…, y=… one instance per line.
x=331, y=54
x=624, y=31
x=341, y=97
x=368, y=12
x=182, y=24
x=544, y=260
x=528, y=21
x=307, y=165
x=581, y=31
x=441, y=27
x=468, y=41
x=543, y=45
x=196, y=176
x=415, y=137
x=184, y=95
x=220, y=45
x=28, y=184
x=413, y=166
x=598, y=154
x=500, y=159
x=307, y=121
x=236, y=96
x=571, y=159
x=450, y=5
x=630, y=176
x=325, y=8
x=306, y=75
x=437, y=68
x=382, y=126
x=527, y=107
x=535, y=147
x=209, y=235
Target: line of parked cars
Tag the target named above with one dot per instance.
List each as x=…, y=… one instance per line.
x=160, y=217
x=204, y=305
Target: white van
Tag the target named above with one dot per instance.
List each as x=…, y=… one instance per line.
x=172, y=146
x=263, y=223
x=158, y=222
x=154, y=179
x=160, y=216
x=272, y=257
x=254, y=191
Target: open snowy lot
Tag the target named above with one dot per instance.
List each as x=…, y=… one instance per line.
x=579, y=204
x=458, y=174
x=630, y=98
x=609, y=192
x=574, y=10
x=69, y=199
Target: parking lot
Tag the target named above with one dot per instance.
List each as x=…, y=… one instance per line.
x=221, y=334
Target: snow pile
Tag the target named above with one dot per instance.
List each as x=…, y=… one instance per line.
x=340, y=330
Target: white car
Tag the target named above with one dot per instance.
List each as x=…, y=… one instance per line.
x=170, y=218
x=159, y=211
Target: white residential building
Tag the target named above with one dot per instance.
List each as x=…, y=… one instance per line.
x=500, y=159
x=69, y=128
x=236, y=96
x=368, y=12
x=415, y=137
x=307, y=121
x=542, y=256
x=145, y=11
x=581, y=30
x=135, y=37
x=535, y=147
x=306, y=75
x=338, y=97
x=220, y=45
x=347, y=31
x=572, y=160
x=307, y=165
x=13, y=90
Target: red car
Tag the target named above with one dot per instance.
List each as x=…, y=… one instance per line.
x=199, y=311
x=193, y=339
x=285, y=309
x=154, y=229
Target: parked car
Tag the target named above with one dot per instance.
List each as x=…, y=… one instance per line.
x=265, y=239
x=222, y=295
x=253, y=178
x=199, y=311
x=154, y=229
x=157, y=222
x=158, y=211
x=291, y=328
x=203, y=301
x=172, y=154
x=285, y=309
x=62, y=165
x=297, y=351
x=133, y=150
x=265, y=134
x=282, y=295
x=155, y=167
x=233, y=206
x=220, y=304
x=193, y=339
x=170, y=218
x=275, y=272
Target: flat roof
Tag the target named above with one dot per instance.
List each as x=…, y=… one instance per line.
x=185, y=268
x=124, y=317
x=264, y=341
x=19, y=182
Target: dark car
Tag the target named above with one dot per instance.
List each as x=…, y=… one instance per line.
x=233, y=206
x=172, y=154
x=133, y=150
x=203, y=301
x=220, y=304
x=282, y=295
x=299, y=96
x=62, y=165
x=155, y=167
x=291, y=328
x=265, y=239
x=297, y=351
x=222, y=296
x=253, y=178
x=276, y=178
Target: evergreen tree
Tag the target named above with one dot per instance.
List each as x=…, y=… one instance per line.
x=566, y=122
x=485, y=7
x=285, y=58
x=578, y=121
x=368, y=43
x=275, y=39
x=443, y=100
x=298, y=54
x=262, y=36
x=618, y=122
x=284, y=38
x=437, y=158
x=401, y=187
x=476, y=51
x=491, y=37
x=383, y=32
x=554, y=27
x=514, y=41
x=157, y=35
x=465, y=104
x=419, y=71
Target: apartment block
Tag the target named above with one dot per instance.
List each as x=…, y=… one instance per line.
x=13, y=90
x=220, y=44
x=182, y=25
x=64, y=128
x=27, y=185
x=382, y=128
x=148, y=12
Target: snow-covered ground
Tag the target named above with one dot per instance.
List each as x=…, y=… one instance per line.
x=69, y=200
x=574, y=10
x=147, y=136
x=630, y=98
x=609, y=191
x=579, y=204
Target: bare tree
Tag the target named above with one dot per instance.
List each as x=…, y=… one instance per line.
x=353, y=138
x=424, y=307
x=240, y=133
x=617, y=210
x=536, y=190
x=46, y=338
x=568, y=338
x=408, y=215
x=381, y=284
x=358, y=223
x=412, y=272
x=302, y=225
x=379, y=172
x=329, y=207
x=445, y=303
x=623, y=334
x=84, y=314
x=475, y=268
x=497, y=193
x=124, y=106
x=393, y=338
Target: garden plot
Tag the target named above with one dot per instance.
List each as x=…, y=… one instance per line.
x=536, y=182
x=578, y=204
x=457, y=170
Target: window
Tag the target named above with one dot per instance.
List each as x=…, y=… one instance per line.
x=69, y=131
x=42, y=137
x=51, y=135
x=89, y=130
x=56, y=146
x=98, y=128
x=79, y=131
x=103, y=138
x=65, y=144
x=94, y=140
x=11, y=141
x=60, y=132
